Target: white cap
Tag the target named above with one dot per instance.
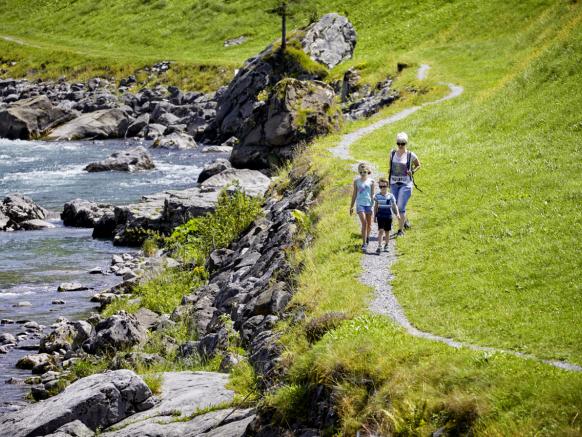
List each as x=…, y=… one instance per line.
x=402, y=137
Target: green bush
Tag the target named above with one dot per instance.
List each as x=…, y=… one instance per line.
x=195, y=240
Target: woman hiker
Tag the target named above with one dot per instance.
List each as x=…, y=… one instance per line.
x=362, y=196
x=403, y=164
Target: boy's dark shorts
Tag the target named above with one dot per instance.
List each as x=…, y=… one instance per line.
x=385, y=223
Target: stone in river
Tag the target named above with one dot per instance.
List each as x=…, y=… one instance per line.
x=35, y=225
x=71, y=286
x=23, y=303
x=105, y=123
x=58, y=302
x=130, y=160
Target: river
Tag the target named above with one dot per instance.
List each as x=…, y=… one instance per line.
x=34, y=263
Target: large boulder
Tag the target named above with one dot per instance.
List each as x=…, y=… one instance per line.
x=118, y=332
x=83, y=213
x=186, y=393
x=30, y=118
x=252, y=182
x=98, y=401
x=213, y=168
x=296, y=112
x=330, y=41
x=106, y=123
x=20, y=212
x=136, y=158
x=67, y=336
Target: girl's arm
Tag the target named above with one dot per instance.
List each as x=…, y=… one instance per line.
x=354, y=194
x=375, y=210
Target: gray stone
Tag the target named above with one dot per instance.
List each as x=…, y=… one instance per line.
x=183, y=392
x=217, y=149
x=137, y=126
x=213, y=168
x=83, y=213
x=73, y=429
x=133, y=159
x=118, y=332
x=252, y=182
x=33, y=360
x=30, y=118
x=330, y=41
x=147, y=318
x=98, y=401
x=155, y=131
x=22, y=303
x=19, y=208
x=66, y=336
x=175, y=141
x=102, y=124
x=35, y=225
x=7, y=338
x=71, y=286
x=235, y=41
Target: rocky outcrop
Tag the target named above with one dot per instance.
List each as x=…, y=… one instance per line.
x=213, y=168
x=83, y=213
x=102, y=124
x=30, y=118
x=136, y=158
x=252, y=182
x=250, y=281
x=20, y=212
x=98, y=401
x=296, y=112
x=118, y=332
x=330, y=40
x=365, y=102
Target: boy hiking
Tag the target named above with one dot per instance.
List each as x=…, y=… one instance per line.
x=362, y=196
x=384, y=206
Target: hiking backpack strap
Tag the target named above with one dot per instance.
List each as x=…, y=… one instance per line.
x=390, y=166
x=409, y=161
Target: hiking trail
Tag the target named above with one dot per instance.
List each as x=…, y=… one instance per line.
x=376, y=268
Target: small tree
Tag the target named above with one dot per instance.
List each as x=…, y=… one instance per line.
x=286, y=9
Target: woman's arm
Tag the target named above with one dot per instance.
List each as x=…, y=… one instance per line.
x=415, y=165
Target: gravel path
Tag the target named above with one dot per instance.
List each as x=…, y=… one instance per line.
x=376, y=271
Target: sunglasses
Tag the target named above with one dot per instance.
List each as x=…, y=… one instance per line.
x=383, y=186
x=401, y=144
x=364, y=172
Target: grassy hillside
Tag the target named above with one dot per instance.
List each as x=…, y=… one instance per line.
x=494, y=257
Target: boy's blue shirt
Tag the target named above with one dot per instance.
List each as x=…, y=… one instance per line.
x=384, y=204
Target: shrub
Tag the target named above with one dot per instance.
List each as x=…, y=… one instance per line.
x=150, y=247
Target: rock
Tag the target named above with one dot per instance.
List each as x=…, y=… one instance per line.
x=297, y=111
x=30, y=118
x=39, y=392
x=213, y=168
x=71, y=286
x=14, y=381
x=32, y=326
x=35, y=225
x=134, y=359
x=137, y=126
x=58, y=302
x=5, y=220
x=330, y=41
x=34, y=360
x=73, y=429
x=19, y=208
x=7, y=338
x=23, y=303
x=216, y=149
x=105, y=226
x=98, y=401
x=133, y=159
x=235, y=41
x=155, y=131
x=102, y=124
x=118, y=332
x=229, y=361
x=66, y=336
x=252, y=182
x=147, y=318
x=372, y=102
x=184, y=393
x=81, y=213
x=350, y=84
x=175, y=141
x=229, y=422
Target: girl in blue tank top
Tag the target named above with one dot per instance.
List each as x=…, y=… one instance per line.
x=362, y=195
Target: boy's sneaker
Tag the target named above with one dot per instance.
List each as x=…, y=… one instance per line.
x=407, y=224
x=379, y=249
x=386, y=248
x=400, y=233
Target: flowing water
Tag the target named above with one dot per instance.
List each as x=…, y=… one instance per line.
x=34, y=263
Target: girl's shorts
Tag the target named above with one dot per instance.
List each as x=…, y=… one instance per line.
x=364, y=208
